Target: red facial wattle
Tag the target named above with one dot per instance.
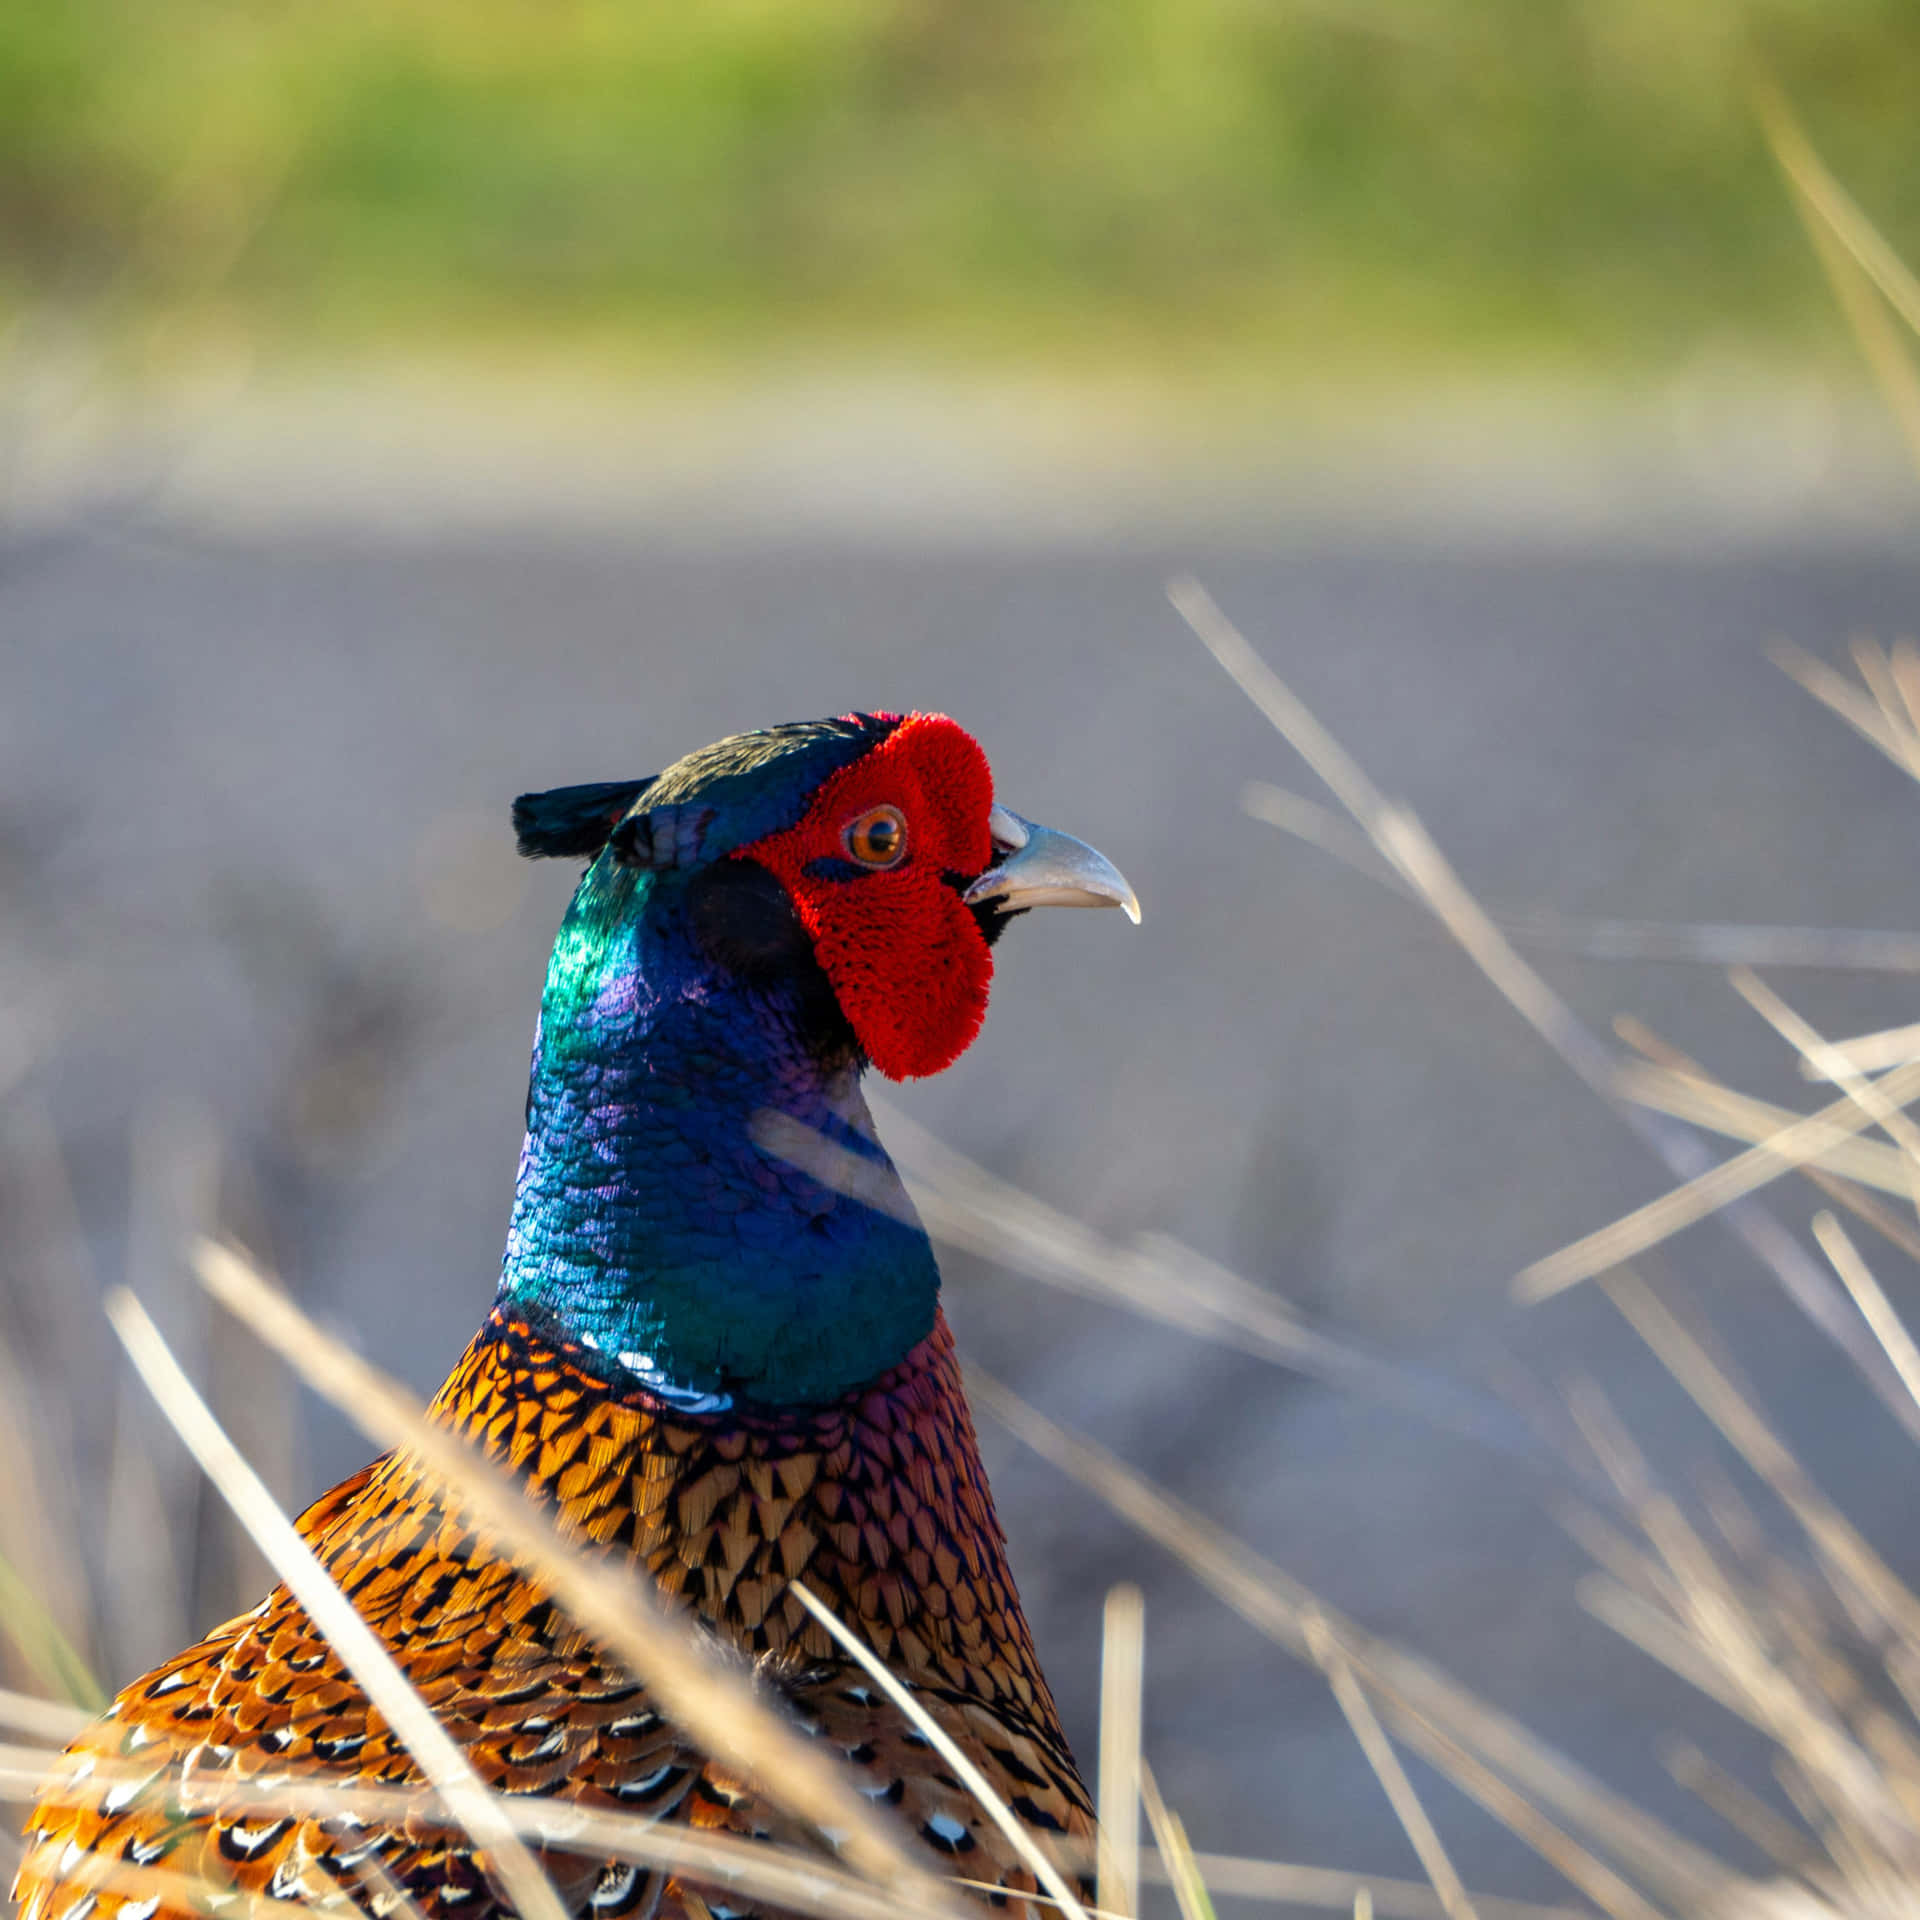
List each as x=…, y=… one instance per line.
x=905, y=956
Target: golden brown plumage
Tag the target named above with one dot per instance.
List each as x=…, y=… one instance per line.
x=878, y=1502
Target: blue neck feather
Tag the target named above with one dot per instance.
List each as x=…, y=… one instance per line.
x=647, y=1223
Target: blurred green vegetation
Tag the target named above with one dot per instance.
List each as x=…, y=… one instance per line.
x=1060, y=179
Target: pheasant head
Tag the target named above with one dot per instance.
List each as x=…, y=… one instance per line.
x=756, y=925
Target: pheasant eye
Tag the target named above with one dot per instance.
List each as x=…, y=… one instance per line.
x=878, y=838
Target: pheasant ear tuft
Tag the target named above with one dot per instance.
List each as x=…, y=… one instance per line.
x=573, y=820
x=662, y=837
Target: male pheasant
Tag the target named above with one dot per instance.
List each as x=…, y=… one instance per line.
x=712, y=1366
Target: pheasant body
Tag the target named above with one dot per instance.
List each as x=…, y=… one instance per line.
x=715, y=1370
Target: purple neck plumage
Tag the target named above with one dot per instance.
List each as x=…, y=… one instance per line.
x=648, y=1221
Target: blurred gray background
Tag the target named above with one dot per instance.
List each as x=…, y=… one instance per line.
x=405, y=406
x=267, y=962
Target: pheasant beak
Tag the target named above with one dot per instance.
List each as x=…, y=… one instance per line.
x=1036, y=867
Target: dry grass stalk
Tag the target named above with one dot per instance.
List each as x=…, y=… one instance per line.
x=962, y=1205
x=1678, y=1085
x=1422, y=1706
x=1863, y=949
x=1660, y=1637
x=966, y=1206
x=1803, y=1139
x=1876, y=671
x=1903, y=664
x=785, y=1876
x=1855, y=1772
x=29, y=1624
x=1662, y=1052
x=1575, y=1864
x=1321, y=827
x=1021, y=1838
x=1373, y=1742
x=1122, y=1667
x=361, y=1650
x=1892, y=1745
x=1793, y=1783
x=1841, y=696
x=690, y=1682
x=1768, y=1690
x=1706, y=1102
x=1407, y=847
x=1836, y=1540
x=1707, y=1632
x=1875, y=1308
x=1735, y=1521
x=49, y=1616
x=1814, y=1049
x=1873, y=1052
x=42, y=1617
x=47, y=1719
x=1863, y=1206
x=1629, y=1564
x=1881, y=344
x=1830, y=949
x=1041, y=1902
x=1396, y=835
x=1337, y=1889
x=1181, y=1869
x=1866, y=274
x=1786, y=1845
x=1281, y=1883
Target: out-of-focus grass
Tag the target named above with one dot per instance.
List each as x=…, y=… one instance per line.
x=1140, y=179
